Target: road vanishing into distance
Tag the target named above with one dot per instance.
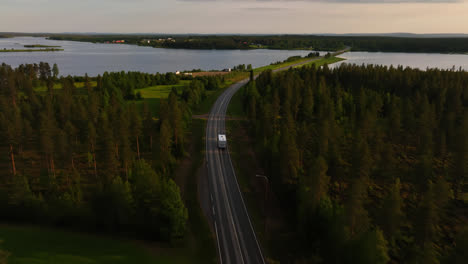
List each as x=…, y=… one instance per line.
x=236, y=239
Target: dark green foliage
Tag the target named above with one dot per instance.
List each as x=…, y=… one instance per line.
x=459, y=254
x=159, y=206
x=373, y=157
x=71, y=153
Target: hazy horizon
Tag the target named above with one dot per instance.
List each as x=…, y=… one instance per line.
x=235, y=17
x=25, y=33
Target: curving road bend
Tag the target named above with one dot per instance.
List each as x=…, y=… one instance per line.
x=236, y=239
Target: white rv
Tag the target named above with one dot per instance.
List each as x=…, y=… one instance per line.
x=221, y=141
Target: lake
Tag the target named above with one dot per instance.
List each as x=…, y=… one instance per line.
x=413, y=60
x=79, y=58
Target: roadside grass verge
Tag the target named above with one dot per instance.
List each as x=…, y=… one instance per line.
x=276, y=66
x=323, y=61
x=39, y=245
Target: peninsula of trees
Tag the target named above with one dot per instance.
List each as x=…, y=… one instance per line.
x=313, y=42
x=31, y=50
x=40, y=46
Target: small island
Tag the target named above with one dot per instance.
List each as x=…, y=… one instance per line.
x=30, y=50
x=41, y=46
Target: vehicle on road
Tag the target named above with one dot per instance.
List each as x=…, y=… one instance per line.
x=221, y=141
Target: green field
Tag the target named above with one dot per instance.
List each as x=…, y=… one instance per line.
x=160, y=91
x=39, y=245
x=152, y=95
x=58, y=86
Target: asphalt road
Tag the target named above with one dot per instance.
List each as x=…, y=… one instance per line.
x=236, y=239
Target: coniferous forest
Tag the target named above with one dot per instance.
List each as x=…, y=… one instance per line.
x=316, y=42
x=370, y=163
x=89, y=158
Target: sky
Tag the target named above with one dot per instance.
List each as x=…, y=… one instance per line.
x=235, y=16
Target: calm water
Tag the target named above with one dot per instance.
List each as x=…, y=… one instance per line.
x=414, y=60
x=79, y=58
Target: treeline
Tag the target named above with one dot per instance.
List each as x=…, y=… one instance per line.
x=90, y=159
x=325, y=43
x=370, y=162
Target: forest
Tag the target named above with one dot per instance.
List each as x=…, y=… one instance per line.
x=314, y=42
x=370, y=163
x=91, y=158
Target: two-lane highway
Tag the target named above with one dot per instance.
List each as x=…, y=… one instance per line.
x=236, y=239
x=235, y=235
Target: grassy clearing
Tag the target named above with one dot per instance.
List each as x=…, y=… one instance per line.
x=161, y=91
x=58, y=86
x=152, y=95
x=39, y=245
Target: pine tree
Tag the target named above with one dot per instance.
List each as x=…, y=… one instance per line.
x=460, y=166
x=148, y=124
x=289, y=157
x=175, y=118
x=357, y=218
x=426, y=224
x=107, y=153
x=135, y=127
x=92, y=144
x=319, y=181
x=165, y=142
x=55, y=70
x=392, y=213
x=370, y=248
x=11, y=130
x=87, y=85
x=123, y=136
x=48, y=131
